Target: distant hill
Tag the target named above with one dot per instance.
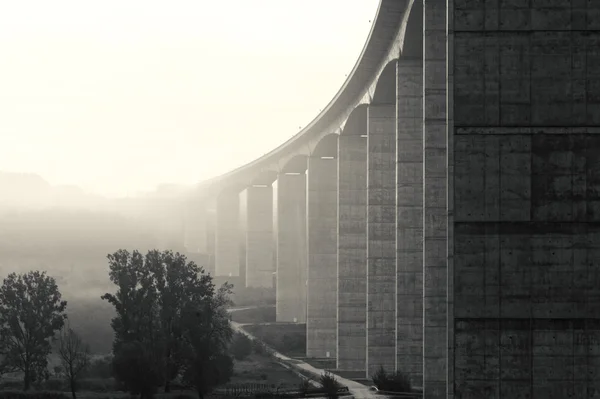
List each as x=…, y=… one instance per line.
x=30, y=191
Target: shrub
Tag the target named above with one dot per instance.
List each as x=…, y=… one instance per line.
x=392, y=382
x=304, y=386
x=32, y=395
x=241, y=346
x=259, y=348
x=55, y=384
x=330, y=385
x=97, y=384
x=99, y=368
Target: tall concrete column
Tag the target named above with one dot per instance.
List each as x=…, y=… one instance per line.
x=227, y=242
x=321, y=318
x=259, y=236
x=352, y=250
x=291, y=248
x=211, y=233
x=381, y=238
x=195, y=227
x=410, y=218
x=435, y=193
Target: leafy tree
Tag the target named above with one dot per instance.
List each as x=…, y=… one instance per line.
x=206, y=340
x=135, y=369
x=31, y=311
x=241, y=346
x=74, y=357
x=169, y=316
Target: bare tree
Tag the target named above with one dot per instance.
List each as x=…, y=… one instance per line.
x=74, y=356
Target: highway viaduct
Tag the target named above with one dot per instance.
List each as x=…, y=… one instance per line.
x=441, y=215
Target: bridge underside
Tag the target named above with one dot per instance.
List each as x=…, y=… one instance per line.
x=452, y=229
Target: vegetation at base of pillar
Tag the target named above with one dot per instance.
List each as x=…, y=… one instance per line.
x=330, y=385
x=74, y=357
x=391, y=382
x=31, y=312
x=170, y=321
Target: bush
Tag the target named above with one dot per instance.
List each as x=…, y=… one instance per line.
x=241, y=346
x=304, y=386
x=392, y=382
x=32, y=395
x=330, y=385
x=56, y=384
x=99, y=368
x=97, y=384
x=259, y=348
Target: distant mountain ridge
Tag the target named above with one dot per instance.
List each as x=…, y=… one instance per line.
x=31, y=191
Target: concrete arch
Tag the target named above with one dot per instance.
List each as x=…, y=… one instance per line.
x=385, y=89
x=265, y=178
x=412, y=37
x=327, y=146
x=356, y=122
x=296, y=164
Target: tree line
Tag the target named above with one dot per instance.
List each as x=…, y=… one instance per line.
x=170, y=323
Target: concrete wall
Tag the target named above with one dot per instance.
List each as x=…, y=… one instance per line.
x=410, y=219
x=381, y=238
x=321, y=317
x=527, y=244
x=291, y=248
x=227, y=233
x=259, y=236
x=352, y=253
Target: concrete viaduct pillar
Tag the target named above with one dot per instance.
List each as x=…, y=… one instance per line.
x=259, y=236
x=291, y=248
x=321, y=318
x=227, y=231
x=381, y=238
x=195, y=227
x=410, y=218
x=435, y=205
x=352, y=246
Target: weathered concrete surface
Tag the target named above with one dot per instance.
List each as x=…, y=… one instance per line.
x=291, y=248
x=352, y=251
x=410, y=219
x=227, y=233
x=321, y=317
x=381, y=238
x=259, y=236
x=527, y=302
x=435, y=240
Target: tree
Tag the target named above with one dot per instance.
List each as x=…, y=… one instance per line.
x=135, y=369
x=206, y=340
x=74, y=356
x=31, y=311
x=168, y=313
x=241, y=346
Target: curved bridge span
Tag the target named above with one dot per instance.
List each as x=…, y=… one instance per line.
x=440, y=216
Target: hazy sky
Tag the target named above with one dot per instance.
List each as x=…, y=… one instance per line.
x=118, y=96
